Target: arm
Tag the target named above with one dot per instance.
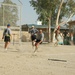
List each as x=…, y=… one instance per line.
x=3, y=37
x=3, y=34
x=10, y=33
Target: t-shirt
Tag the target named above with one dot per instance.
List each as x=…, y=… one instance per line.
x=33, y=31
x=40, y=36
x=7, y=32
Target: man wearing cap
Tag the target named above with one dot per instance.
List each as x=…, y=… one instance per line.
x=33, y=32
x=7, y=36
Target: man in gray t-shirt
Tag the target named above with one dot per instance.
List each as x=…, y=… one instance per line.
x=7, y=36
x=40, y=38
x=33, y=33
x=7, y=32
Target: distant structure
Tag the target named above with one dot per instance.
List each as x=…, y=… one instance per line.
x=39, y=22
x=27, y=27
x=71, y=24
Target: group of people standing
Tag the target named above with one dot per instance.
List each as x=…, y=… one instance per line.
x=66, y=36
x=69, y=37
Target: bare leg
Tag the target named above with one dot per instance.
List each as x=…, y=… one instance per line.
x=6, y=45
x=36, y=46
x=33, y=43
x=56, y=43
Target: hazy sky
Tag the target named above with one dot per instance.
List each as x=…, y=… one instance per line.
x=28, y=15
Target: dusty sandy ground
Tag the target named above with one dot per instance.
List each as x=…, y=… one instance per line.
x=48, y=60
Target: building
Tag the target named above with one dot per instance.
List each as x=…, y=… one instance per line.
x=27, y=27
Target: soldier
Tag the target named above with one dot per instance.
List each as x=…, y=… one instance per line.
x=7, y=36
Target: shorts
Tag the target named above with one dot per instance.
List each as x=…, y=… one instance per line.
x=7, y=39
x=33, y=37
x=37, y=41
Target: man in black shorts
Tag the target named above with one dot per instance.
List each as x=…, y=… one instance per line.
x=7, y=36
x=39, y=40
x=33, y=33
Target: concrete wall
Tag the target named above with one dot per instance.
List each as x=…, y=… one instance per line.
x=25, y=36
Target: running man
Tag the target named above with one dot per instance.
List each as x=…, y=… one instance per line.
x=33, y=33
x=39, y=40
x=7, y=36
x=57, y=33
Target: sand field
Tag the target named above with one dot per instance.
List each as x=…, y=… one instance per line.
x=20, y=59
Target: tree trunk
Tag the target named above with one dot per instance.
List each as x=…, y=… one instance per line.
x=58, y=14
x=57, y=20
x=65, y=22
x=49, y=30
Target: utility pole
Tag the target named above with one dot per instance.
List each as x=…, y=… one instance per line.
x=20, y=22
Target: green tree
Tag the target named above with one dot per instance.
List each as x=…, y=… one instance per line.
x=52, y=11
x=44, y=8
x=10, y=13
